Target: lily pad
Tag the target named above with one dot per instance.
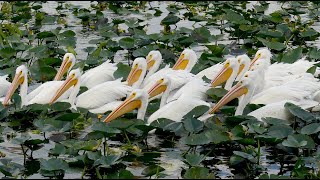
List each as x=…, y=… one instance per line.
x=299, y=112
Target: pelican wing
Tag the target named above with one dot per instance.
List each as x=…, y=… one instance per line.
x=175, y=110
x=98, y=75
x=4, y=85
x=45, y=92
x=210, y=72
x=296, y=90
x=107, y=107
x=102, y=94
x=195, y=88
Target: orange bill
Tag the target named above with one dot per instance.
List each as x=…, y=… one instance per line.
x=18, y=80
x=181, y=63
x=68, y=83
x=236, y=91
x=222, y=76
x=127, y=106
x=254, y=61
x=134, y=75
x=157, y=89
x=63, y=69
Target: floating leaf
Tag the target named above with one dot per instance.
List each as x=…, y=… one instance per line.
x=152, y=170
x=196, y=139
x=217, y=136
x=292, y=56
x=170, y=19
x=311, y=128
x=299, y=112
x=280, y=131
x=309, y=32
x=198, y=173
x=126, y=43
x=53, y=164
x=122, y=71
x=7, y=52
x=194, y=159
x=272, y=45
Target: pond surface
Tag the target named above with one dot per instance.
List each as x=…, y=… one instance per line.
x=162, y=150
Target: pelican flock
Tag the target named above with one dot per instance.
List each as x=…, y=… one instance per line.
x=255, y=81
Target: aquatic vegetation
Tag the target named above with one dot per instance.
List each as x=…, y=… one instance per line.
x=58, y=142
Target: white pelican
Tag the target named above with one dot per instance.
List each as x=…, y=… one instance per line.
x=4, y=85
x=90, y=78
x=154, y=60
x=179, y=74
x=281, y=69
x=105, y=96
x=174, y=110
x=296, y=90
x=246, y=87
x=186, y=61
x=290, y=87
x=195, y=87
x=41, y=95
x=211, y=72
x=228, y=73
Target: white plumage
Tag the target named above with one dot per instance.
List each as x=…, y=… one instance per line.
x=210, y=72
x=98, y=75
x=40, y=95
x=175, y=110
x=4, y=85
x=96, y=99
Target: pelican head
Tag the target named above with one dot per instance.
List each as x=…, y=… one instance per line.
x=230, y=65
x=186, y=61
x=160, y=86
x=262, y=54
x=19, y=78
x=245, y=85
x=137, y=73
x=154, y=59
x=244, y=64
x=72, y=80
x=68, y=62
x=138, y=99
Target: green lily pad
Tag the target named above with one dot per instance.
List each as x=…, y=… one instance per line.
x=196, y=139
x=280, y=131
x=170, y=19
x=192, y=124
x=122, y=71
x=272, y=45
x=194, y=159
x=299, y=112
x=60, y=106
x=294, y=141
x=68, y=116
x=152, y=170
x=311, y=129
x=7, y=52
x=198, y=173
x=292, y=56
x=106, y=161
x=126, y=43
x=309, y=32
x=53, y=164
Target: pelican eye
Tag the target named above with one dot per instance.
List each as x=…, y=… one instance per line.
x=246, y=75
x=238, y=60
x=133, y=94
x=162, y=79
